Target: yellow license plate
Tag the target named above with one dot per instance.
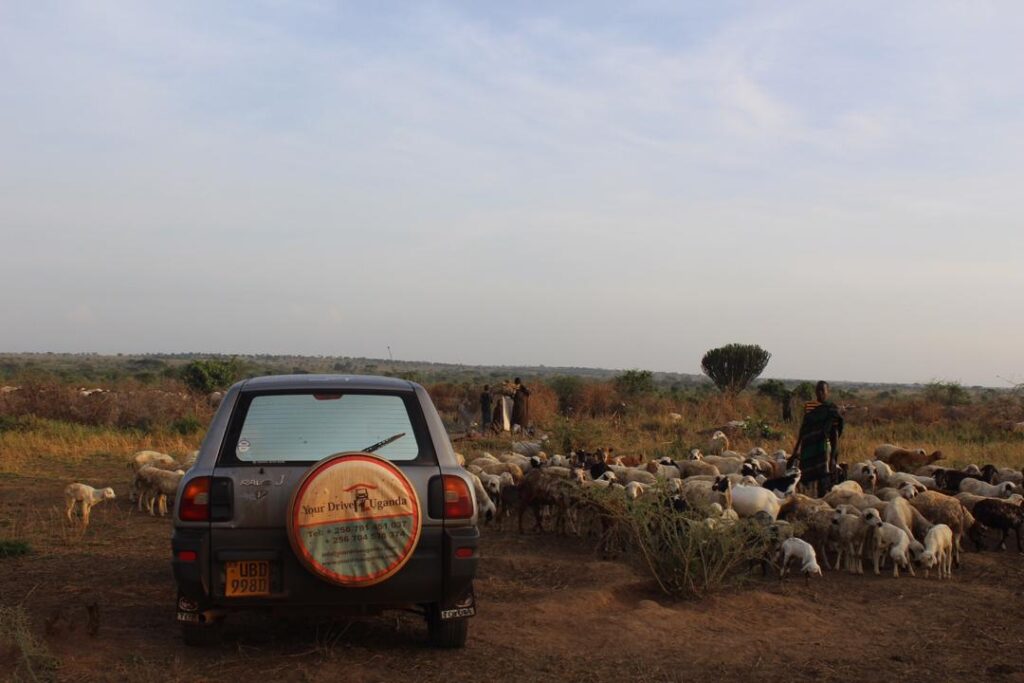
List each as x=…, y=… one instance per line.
x=247, y=578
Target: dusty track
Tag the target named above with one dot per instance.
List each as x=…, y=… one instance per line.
x=548, y=609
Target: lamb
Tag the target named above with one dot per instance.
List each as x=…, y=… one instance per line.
x=908, y=461
x=87, y=496
x=980, y=488
x=1001, y=515
x=804, y=551
x=158, y=485
x=891, y=538
x=939, y=508
x=852, y=530
x=938, y=549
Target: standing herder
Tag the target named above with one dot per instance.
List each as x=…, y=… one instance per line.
x=817, y=444
x=485, y=408
x=521, y=406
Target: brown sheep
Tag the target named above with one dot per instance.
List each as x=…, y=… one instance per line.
x=910, y=461
x=887, y=449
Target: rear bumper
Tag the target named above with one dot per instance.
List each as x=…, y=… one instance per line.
x=441, y=572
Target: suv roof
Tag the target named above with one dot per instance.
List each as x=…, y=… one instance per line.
x=358, y=382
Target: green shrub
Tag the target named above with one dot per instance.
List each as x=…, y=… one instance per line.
x=733, y=366
x=569, y=391
x=204, y=376
x=186, y=426
x=14, y=548
x=635, y=382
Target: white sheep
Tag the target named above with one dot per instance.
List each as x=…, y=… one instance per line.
x=749, y=500
x=140, y=459
x=492, y=484
x=852, y=530
x=894, y=540
x=634, y=490
x=483, y=501
x=718, y=443
x=87, y=496
x=849, y=485
x=980, y=488
x=157, y=486
x=804, y=551
x=628, y=474
x=938, y=550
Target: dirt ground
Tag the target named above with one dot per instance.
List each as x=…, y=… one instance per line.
x=548, y=608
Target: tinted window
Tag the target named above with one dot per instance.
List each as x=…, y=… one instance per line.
x=308, y=427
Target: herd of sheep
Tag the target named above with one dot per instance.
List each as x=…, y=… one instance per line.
x=155, y=479
x=899, y=507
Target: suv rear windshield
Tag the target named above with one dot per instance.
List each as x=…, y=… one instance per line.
x=305, y=427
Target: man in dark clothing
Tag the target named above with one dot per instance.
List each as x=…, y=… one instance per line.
x=521, y=406
x=485, y=408
x=817, y=445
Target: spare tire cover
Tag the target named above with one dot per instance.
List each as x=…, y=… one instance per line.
x=354, y=519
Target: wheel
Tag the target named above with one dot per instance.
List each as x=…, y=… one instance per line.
x=203, y=635
x=449, y=634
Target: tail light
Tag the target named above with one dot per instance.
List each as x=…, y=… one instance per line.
x=194, y=504
x=458, y=501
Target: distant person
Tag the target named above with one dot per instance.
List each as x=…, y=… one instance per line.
x=787, y=406
x=520, y=406
x=485, y=408
x=817, y=444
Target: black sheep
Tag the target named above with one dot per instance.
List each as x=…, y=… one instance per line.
x=998, y=514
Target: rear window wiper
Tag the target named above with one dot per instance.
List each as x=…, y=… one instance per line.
x=382, y=444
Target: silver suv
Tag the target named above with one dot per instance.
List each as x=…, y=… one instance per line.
x=339, y=494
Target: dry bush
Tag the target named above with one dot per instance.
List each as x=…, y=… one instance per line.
x=686, y=556
x=129, y=405
x=599, y=399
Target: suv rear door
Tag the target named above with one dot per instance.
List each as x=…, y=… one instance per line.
x=273, y=438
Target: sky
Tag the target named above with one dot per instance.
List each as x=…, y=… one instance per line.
x=619, y=185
